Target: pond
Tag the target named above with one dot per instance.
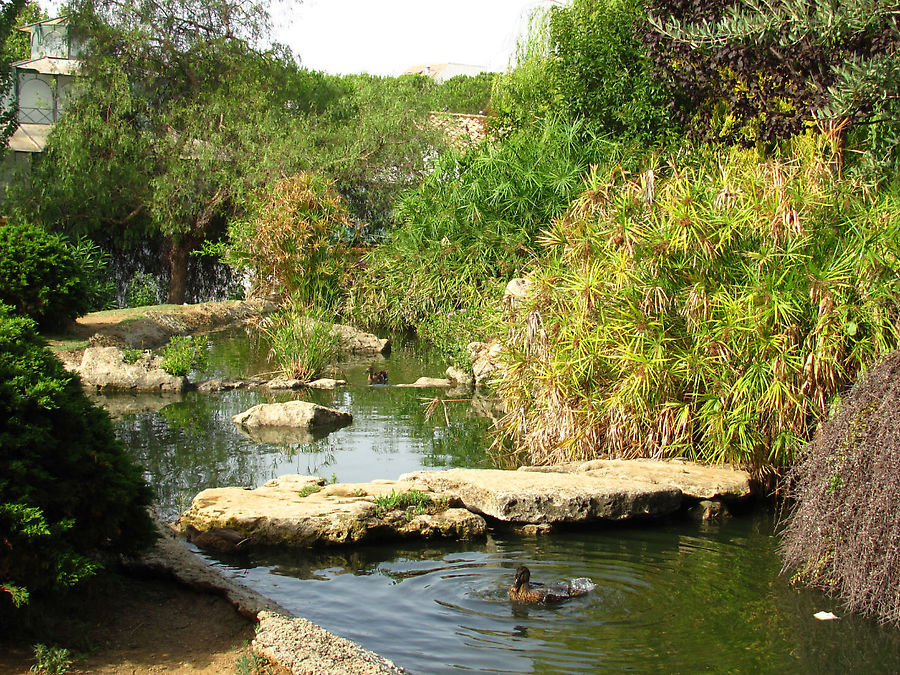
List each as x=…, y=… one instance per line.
x=675, y=597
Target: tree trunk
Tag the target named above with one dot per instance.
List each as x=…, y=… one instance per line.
x=179, y=255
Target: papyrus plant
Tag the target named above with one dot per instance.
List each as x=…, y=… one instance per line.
x=709, y=308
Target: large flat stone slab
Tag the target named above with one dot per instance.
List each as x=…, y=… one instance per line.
x=299, y=511
x=696, y=481
x=292, y=415
x=538, y=497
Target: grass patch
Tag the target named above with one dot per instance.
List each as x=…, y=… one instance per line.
x=183, y=354
x=413, y=502
x=308, y=490
x=302, y=345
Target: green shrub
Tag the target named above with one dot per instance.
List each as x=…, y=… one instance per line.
x=51, y=660
x=184, y=353
x=143, y=290
x=292, y=244
x=69, y=495
x=40, y=276
x=473, y=224
x=708, y=309
x=93, y=264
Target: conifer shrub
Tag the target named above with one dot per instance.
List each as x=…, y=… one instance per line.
x=842, y=532
x=709, y=307
x=40, y=276
x=69, y=494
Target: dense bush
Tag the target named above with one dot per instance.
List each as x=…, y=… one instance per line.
x=602, y=73
x=473, y=223
x=754, y=71
x=709, y=308
x=69, y=494
x=40, y=276
x=843, y=529
x=463, y=94
x=293, y=243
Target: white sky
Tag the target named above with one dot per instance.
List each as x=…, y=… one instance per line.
x=385, y=37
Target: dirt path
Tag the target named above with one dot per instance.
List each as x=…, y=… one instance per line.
x=127, y=625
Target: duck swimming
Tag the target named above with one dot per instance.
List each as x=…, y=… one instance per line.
x=521, y=590
x=376, y=376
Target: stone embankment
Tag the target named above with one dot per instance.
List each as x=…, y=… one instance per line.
x=302, y=511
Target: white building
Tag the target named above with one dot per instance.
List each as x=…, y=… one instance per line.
x=42, y=84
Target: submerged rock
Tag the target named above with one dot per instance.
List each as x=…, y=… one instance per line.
x=423, y=382
x=292, y=414
x=299, y=511
x=105, y=368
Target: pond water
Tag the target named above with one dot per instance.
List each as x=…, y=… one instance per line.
x=677, y=597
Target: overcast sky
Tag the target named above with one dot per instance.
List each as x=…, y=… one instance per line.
x=385, y=37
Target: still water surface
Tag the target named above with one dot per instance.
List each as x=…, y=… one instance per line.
x=673, y=598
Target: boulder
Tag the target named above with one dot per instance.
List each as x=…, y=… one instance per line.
x=516, y=292
x=696, y=481
x=428, y=382
x=105, y=368
x=326, y=383
x=356, y=341
x=293, y=414
x=299, y=511
x=532, y=497
x=459, y=376
x=485, y=360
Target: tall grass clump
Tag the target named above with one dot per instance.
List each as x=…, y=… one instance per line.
x=708, y=307
x=472, y=225
x=303, y=344
x=842, y=534
x=292, y=244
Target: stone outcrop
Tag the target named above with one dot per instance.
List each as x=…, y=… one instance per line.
x=277, y=383
x=696, y=481
x=300, y=511
x=356, y=341
x=485, y=360
x=459, y=376
x=292, y=414
x=423, y=382
x=531, y=497
x=105, y=368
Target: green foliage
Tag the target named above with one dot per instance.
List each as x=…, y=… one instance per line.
x=9, y=16
x=463, y=94
x=844, y=516
x=16, y=46
x=707, y=308
x=93, y=263
x=308, y=490
x=143, y=289
x=130, y=356
x=51, y=660
x=302, y=344
x=41, y=277
x=184, y=353
x=413, y=502
x=755, y=71
x=69, y=494
x=473, y=224
x=602, y=74
x=292, y=244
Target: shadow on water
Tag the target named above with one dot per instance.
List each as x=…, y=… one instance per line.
x=677, y=598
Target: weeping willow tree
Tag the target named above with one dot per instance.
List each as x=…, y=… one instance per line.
x=709, y=308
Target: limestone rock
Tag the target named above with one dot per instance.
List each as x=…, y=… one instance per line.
x=105, y=368
x=516, y=292
x=280, y=383
x=485, y=360
x=356, y=341
x=707, y=510
x=459, y=376
x=532, y=497
x=293, y=414
x=326, y=383
x=298, y=512
x=697, y=481
x=428, y=382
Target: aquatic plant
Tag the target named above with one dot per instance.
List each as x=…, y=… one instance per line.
x=414, y=502
x=708, y=307
x=302, y=344
x=842, y=529
x=184, y=353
